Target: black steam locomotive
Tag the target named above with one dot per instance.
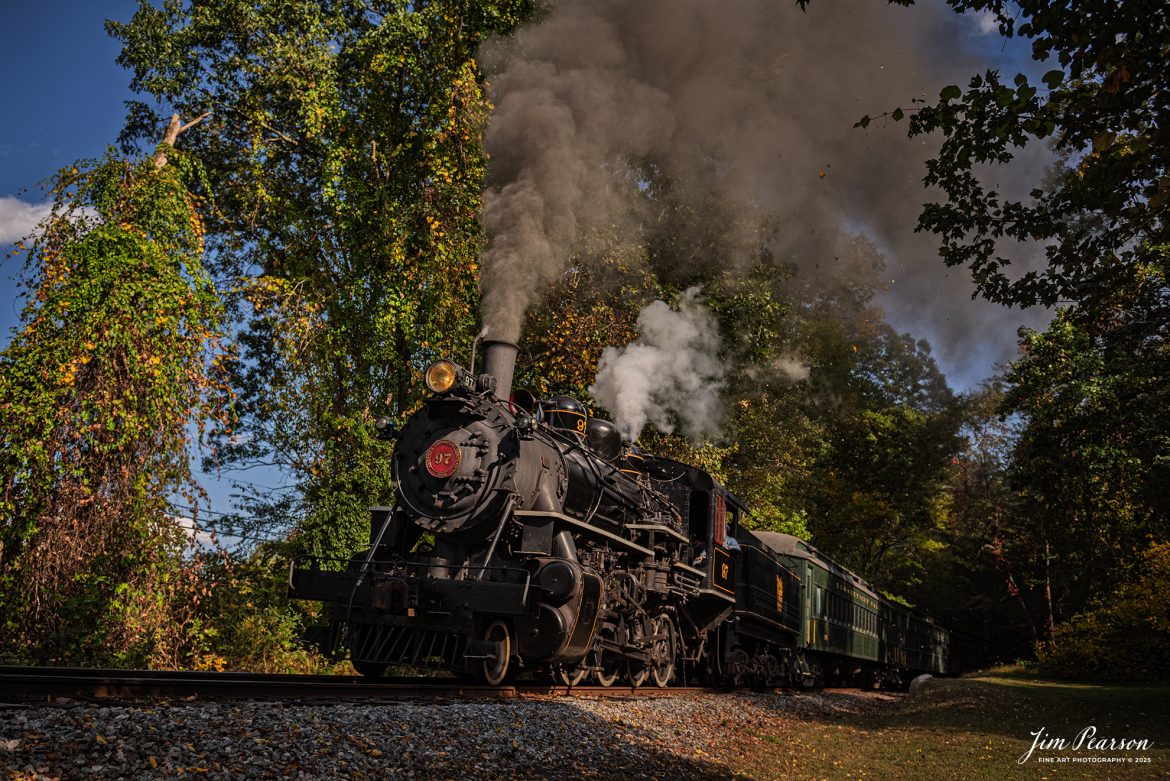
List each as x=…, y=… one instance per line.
x=526, y=536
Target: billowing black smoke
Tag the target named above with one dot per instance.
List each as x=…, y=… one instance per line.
x=751, y=101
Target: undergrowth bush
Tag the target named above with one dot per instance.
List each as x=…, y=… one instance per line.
x=1126, y=636
x=245, y=619
x=208, y=610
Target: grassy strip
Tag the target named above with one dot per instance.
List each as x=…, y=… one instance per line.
x=970, y=728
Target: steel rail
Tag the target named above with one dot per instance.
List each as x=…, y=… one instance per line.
x=23, y=683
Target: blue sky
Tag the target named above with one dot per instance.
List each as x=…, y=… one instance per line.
x=63, y=100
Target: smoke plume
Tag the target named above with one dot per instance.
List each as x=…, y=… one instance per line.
x=673, y=367
x=746, y=102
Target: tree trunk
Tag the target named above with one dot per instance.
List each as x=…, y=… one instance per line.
x=1048, y=590
x=1005, y=567
x=174, y=129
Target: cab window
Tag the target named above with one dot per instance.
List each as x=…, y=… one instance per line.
x=720, y=519
x=699, y=515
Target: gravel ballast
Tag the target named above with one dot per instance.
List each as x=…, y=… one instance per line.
x=691, y=736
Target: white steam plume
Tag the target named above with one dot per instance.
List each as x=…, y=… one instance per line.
x=673, y=367
x=791, y=369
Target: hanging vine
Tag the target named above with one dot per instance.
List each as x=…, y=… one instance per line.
x=103, y=392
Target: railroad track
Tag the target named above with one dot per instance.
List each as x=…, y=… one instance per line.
x=24, y=683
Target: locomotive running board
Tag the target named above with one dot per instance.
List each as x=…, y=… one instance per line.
x=689, y=569
x=562, y=518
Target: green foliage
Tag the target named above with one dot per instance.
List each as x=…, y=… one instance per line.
x=1099, y=214
x=1093, y=456
x=1061, y=484
x=101, y=393
x=1125, y=634
x=876, y=492
x=777, y=444
x=344, y=147
x=777, y=436
x=243, y=619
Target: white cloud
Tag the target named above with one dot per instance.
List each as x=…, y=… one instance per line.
x=19, y=219
x=201, y=538
x=986, y=22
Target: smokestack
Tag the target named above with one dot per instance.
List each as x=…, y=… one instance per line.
x=499, y=360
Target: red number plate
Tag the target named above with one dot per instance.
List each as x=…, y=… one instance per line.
x=443, y=458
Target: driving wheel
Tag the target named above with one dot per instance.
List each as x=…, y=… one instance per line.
x=663, y=650
x=607, y=665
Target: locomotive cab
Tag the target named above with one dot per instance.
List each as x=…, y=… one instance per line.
x=714, y=522
x=712, y=514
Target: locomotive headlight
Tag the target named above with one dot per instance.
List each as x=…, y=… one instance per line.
x=440, y=376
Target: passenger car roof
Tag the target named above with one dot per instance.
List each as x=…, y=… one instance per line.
x=787, y=545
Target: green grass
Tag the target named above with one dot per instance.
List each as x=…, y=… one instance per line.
x=970, y=728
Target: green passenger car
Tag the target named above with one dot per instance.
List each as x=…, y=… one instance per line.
x=840, y=613
x=854, y=631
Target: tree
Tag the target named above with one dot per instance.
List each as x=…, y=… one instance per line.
x=115, y=372
x=1126, y=636
x=878, y=492
x=590, y=308
x=775, y=437
x=1091, y=391
x=344, y=148
x=983, y=577
x=1094, y=453
x=1060, y=485
x=1094, y=386
x=1101, y=212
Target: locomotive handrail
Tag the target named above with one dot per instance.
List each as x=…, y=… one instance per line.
x=689, y=568
x=505, y=516
x=369, y=558
x=659, y=527
x=313, y=559
x=585, y=526
x=398, y=563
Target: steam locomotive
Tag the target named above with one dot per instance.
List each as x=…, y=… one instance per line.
x=527, y=537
